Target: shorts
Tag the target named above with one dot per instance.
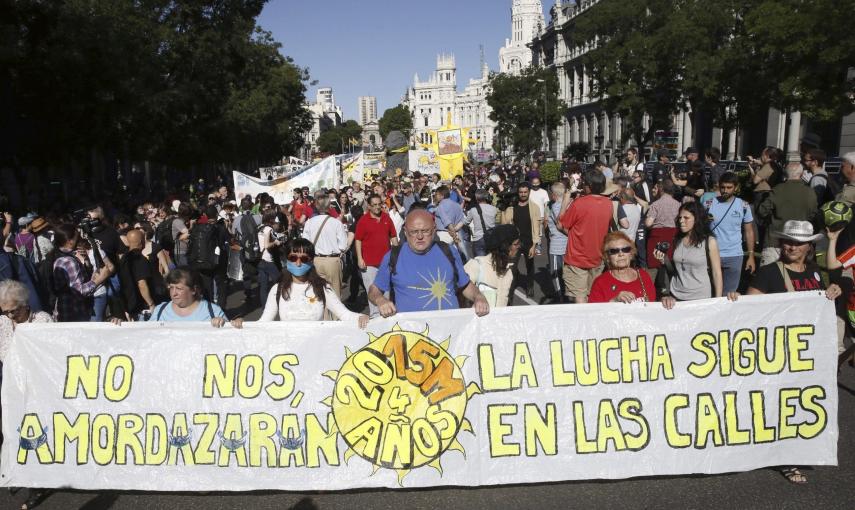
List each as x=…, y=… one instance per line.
x=578, y=281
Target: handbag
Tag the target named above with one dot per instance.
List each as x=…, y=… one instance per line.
x=490, y=293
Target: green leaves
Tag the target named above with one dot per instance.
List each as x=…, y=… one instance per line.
x=396, y=119
x=518, y=107
x=734, y=58
x=178, y=82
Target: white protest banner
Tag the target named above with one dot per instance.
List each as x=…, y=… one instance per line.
x=522, y=395
x=424, y=161
x=352, y=169
x=323, y=174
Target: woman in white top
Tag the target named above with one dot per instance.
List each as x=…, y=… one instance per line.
x=302, y=294
x=491, y=273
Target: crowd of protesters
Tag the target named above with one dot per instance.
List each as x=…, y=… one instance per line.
x=631, y=232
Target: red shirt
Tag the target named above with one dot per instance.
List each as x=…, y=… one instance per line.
x=299, y=209
x=587, y=223
x=375, y=234
x=606, y=287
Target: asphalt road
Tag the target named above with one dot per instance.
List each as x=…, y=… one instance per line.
x=828, y=487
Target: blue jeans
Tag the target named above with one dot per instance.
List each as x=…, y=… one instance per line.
x=731, y=271
x=479, y=247
x=98, y=308
x=268, y=276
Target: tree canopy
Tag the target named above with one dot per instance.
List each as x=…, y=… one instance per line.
x=734, y=59
x=518, y=108
x=179, y=82
x=339, y=138
x=396, y=119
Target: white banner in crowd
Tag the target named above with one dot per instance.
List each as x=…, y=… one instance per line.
x=323, y=174
x=525, y=394
x=352, y=169
x=424, y=161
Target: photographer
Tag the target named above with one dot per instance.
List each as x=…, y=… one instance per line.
x=73, y=279
x=94, y=225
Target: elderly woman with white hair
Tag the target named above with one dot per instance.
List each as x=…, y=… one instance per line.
x=15, y=309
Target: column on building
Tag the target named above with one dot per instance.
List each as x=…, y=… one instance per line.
x=575, y=130
x=607, y=132
x=685, y=131
x=731, y=144
x=583, y=135
x=793, y=135
x=618, y=123
x=575, y=85
x=586, y=85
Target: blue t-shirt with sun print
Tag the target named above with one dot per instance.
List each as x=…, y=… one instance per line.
x=422, y=282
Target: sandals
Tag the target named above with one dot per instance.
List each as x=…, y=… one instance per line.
x=793, y=475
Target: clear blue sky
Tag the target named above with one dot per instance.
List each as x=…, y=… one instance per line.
x=373, y=47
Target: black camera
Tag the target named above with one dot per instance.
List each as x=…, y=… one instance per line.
x=507, y=199
x=88, y=226
x=663, y=246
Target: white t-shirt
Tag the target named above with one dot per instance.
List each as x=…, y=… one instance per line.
x=302, y=305
x=633, y=215
x=541, y=198
x=263, y=245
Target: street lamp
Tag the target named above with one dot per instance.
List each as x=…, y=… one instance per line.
x=545, y=129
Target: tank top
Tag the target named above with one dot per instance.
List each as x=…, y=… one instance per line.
x=692, y=280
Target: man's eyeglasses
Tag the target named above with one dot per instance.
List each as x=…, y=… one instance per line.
x=302, y=257
x=419, y=233
x=623, y=249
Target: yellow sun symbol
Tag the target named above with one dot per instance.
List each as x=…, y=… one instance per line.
x=437, y=289
x=399, y=402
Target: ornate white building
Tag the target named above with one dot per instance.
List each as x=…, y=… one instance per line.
x=431, y=101
x=526, y=21
x=325, y=115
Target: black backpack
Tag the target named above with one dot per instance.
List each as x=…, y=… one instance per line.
x=163, y=234
x=249, y=239
x=832, y=188
x=201, y=253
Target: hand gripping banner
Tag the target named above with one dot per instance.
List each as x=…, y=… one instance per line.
x=523, y=395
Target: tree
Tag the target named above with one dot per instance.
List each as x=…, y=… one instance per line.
x=731, y=59
x=578, y=151
x=185, y=83
x=518, y=107
x=635, y=61
x=396, y=119
x=339, y=139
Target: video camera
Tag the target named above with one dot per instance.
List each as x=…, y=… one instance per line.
x=507, y=199
x=88, y=226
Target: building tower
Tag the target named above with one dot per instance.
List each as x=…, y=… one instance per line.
x=526, y=20
x=367, y=109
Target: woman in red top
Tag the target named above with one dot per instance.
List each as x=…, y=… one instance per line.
x=621, y=282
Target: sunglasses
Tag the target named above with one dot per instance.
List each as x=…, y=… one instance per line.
x=615, y=251
x=302, y=257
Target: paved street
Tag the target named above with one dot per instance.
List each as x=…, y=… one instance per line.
x=828, y=487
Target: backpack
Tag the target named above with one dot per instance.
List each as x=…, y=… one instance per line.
x=249, y=246
x=832, y=188
x=163, y=234
x=202, y=251
x=20, y=269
